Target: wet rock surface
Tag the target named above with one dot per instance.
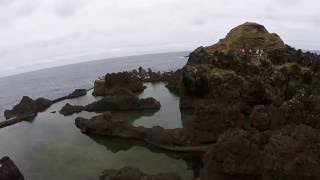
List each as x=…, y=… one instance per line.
x=8, y=170
x=28, y=106
x=131, y=173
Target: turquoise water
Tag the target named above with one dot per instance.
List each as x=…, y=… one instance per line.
x=52, y=148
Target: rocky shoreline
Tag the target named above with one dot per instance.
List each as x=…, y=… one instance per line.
x=8, y=170
x=27, y=109
x=256, y=105
x=257, y=109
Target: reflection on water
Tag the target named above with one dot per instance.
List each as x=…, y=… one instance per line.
x=51, y=147
x=169, y=116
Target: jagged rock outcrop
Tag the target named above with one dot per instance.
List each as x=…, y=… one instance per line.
x=122, y=100
x=210, y=121
x=112, y=82
x=168, y=139
x=256, y=113
x=288, y=153
x=28, y=106
x=131, y=173
x=77, y=93
x=8, y=170
x=277, y=96
x=133, y=81
x=248, y=36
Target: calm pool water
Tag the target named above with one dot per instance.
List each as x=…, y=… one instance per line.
x=169, y=116
x=52, y=148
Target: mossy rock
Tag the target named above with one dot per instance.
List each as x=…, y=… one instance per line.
x=289, y=68
x=249, y=36
x=221, y=73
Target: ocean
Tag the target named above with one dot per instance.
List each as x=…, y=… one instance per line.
x=59, y=81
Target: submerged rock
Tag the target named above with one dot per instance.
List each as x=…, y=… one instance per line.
x=28, y=106
x=16, y=120
x=131, y=173
x=8, y=170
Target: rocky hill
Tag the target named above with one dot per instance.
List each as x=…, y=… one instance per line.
x=248, y=36
x=260, y=111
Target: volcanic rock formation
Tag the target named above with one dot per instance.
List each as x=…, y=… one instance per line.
x=256, y=112
x=28, y=106
x=248, y=36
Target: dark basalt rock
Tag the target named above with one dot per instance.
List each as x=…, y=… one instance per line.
x=211, y=120
x=288, y=153
x=256, y=112
x=105, y=126
x=114, y=81
x=168, y=139
x=133, y=81
x=28, y=106
x=187, y=103
x=69, y=109
x=148, y=104
x=122, y=100
x=234, y=156
x=8, y=170
x=276, y=95
x=131, y=173
x=77, y=93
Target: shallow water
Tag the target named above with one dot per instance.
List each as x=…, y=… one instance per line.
x=51, y=147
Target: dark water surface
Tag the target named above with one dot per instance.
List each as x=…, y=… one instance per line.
x=52, y=148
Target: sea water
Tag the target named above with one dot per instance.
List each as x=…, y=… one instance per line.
x=51, y=147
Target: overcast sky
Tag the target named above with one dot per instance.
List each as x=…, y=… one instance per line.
x=41, y=33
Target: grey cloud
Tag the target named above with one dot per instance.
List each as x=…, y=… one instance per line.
x=199, y=22
x=67, y=9
x=47, y=28
x=6, y=2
